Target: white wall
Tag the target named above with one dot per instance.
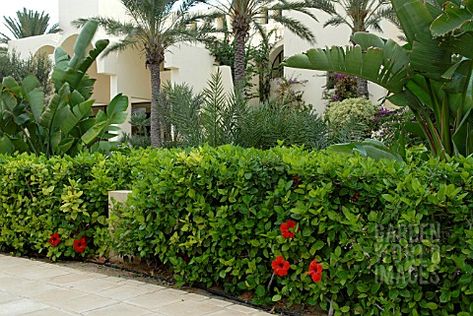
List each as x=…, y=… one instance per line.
x=30, y=45
x=192, y=64
x=70, y=10
x=329, y=36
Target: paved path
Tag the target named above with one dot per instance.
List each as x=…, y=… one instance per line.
x=36, y=288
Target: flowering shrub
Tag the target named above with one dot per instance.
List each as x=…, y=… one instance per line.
x=393, y=125
x=371, y=237
x=46, y=204
x=340, y=87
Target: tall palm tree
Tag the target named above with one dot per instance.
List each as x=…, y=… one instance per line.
x=361, y=16
x=28, y=23
x=245, y=14
x=155, y=26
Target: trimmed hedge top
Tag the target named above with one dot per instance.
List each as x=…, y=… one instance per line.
x=391, y=238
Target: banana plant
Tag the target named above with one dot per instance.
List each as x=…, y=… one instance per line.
x=65, y=125
x=431, y=73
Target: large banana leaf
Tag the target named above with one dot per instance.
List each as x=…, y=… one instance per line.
x=82, y=43
x=73, y=70
x=115, y=114
x=415, y=19
x=380, y=61
x=65, y=125
x=34, y=96
x=454, y=19
x=368, y=148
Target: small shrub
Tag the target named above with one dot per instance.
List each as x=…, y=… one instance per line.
x=216, y=118
x=267, y=125
x=357, y=114
x=393, y=125
x=340, y=87
x=288, y=94
x=11, y=65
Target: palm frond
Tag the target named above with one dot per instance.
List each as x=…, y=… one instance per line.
x=215, y=102
x=304, y=7
x=111, y=26
x=336, y=20
x=54, y=29
x=29, y=23
x=122, y=45
x=296, y=27
x=180, y=109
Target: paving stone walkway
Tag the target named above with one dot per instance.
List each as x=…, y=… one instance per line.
x=35, y=288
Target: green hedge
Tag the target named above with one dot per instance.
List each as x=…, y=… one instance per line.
x=393, y=239
x=68, y=196
x=213, y=216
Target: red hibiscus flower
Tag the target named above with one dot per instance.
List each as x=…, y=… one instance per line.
x=288, y=228
x=80, y=245
x=280, y=266
x=55, y=240
x=315, y=271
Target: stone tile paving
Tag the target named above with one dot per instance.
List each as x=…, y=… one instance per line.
x=35, y=288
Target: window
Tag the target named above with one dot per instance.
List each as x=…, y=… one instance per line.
x=278, y=70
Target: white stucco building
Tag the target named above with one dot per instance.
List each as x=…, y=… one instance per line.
x=125, y=72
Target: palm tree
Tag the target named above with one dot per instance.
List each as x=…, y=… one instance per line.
x=361, y=16
x=155, y=26
x=28, y=23
x=245, y=14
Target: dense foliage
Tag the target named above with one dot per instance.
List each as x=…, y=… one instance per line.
x=356, y=115
x=64, y=124
x=11, y=65
x=68, y=196
x=393, y=238
x=431, y=74
x=216, y=118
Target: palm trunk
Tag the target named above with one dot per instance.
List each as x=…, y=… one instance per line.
x=362, y=88
x=155, y=134
x=240, y=62
x=361, y=84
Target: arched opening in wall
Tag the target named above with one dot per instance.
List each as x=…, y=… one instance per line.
x=101, y=93
x=46, y=50
x=277, y=57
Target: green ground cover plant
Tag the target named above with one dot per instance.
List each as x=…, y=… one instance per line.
x=362, y=237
